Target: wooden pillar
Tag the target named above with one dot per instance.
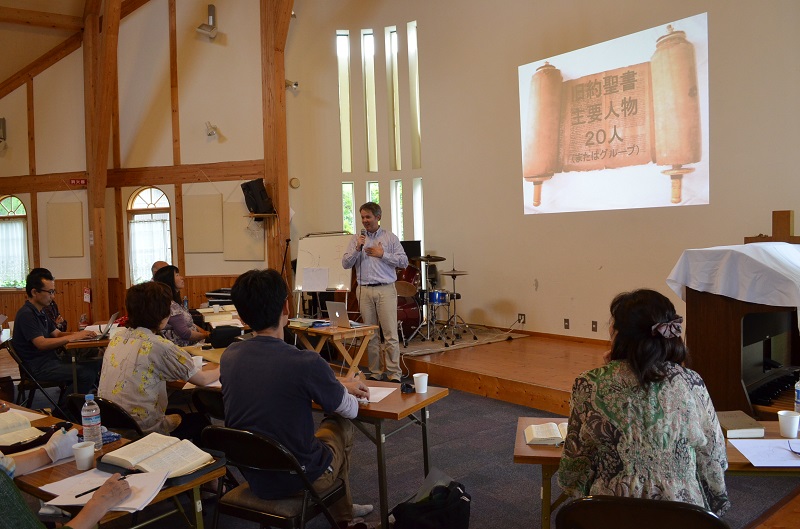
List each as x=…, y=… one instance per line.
x=275, y=18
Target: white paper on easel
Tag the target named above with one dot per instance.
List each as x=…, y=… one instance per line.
x=315, y=279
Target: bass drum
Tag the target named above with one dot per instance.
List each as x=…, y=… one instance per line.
x=408, y=316
x=410, y=274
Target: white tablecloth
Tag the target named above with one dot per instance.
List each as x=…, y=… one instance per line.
x=767, y=273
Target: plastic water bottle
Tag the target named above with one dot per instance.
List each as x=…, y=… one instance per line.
x=90, y=419
x=797, y=396
x=186, y=302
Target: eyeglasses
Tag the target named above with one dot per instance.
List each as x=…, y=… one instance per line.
x=792, y=449
x=52, y=292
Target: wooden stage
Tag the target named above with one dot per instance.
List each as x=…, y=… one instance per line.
x=536, y=371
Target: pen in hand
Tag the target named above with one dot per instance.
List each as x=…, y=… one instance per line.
x=84, y=493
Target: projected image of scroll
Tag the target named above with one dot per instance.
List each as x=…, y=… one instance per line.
x=623, y=136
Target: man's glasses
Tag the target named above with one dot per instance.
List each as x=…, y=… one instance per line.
x=792, y=449
x=52, y=292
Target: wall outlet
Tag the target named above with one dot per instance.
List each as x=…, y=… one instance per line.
x=594, y=326
x=566, y=323
x=521, y=318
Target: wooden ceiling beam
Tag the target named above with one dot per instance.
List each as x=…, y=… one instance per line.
x=41, y=19
x=39, y=65
x=60, y=51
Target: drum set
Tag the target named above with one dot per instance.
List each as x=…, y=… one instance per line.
x=419, y=311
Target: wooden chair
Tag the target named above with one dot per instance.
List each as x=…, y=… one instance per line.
x=112, y=415
x=252, y=451
x=29, y=384
x=602, y=512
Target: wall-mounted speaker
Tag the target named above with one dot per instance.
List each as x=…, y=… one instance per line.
x=256, y=197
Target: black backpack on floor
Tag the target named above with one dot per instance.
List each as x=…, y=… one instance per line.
x=444, y=508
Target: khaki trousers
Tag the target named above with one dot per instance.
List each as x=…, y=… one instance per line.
x=379, y=307
x=337, y=433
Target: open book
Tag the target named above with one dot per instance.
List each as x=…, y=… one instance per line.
x=159, y=452
x=16, y=428
x=548, y=433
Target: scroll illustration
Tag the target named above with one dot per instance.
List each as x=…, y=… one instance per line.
x=635, y=115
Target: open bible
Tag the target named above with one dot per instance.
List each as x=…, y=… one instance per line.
x=548, y=433
x=16, y=428
x=159, y=452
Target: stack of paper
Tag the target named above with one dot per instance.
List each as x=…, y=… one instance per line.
x=144, y=487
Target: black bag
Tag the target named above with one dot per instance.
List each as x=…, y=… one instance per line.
x=445, y=508
x=223, y=336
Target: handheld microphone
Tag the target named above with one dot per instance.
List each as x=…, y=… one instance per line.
x=363, y=233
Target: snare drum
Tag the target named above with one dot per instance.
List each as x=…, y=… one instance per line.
x=438, y=297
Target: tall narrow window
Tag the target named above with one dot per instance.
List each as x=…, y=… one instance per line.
x=374, y=192
x=393, y=96
x=149, y=232
x=343, y=55
x=419, y=217
x=413, y=82
x=348, y=207
x=13, y=242
x=396, y=193
x=368, y=60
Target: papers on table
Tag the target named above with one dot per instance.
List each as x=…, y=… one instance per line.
x=769, y=452
x=378, y=393
x=215, y=384
x=144, y=487
x=226, y=323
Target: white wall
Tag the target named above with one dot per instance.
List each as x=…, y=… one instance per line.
x=556, y=266
x=550, y=267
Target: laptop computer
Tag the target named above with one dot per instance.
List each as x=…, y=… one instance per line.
x=103, y=332
x=337, y=312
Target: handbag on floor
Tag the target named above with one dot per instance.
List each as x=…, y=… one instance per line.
x=445, y=507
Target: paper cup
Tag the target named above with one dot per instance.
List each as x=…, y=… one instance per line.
x=789, y=421
x=421, y=382
x=198, y=362
x=84, y=455
x=216, y=309
x=11, y=327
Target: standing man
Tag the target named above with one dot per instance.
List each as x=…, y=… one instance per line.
x=269, y=386
x=376, y=254
x=36, y=337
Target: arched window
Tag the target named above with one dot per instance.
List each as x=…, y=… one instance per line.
x=149, y=232
x=13, y=242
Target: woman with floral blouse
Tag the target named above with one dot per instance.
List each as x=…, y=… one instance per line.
x=643, y=425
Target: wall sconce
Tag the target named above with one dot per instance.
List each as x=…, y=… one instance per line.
x=292, y=85
x=3, y=144
x=211, y=130
x=210, y=29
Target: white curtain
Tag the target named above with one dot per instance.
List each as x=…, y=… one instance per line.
x=150, y=242
x=13, y=252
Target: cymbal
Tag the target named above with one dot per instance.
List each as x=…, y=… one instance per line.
x=454, y=273
x=428, y=259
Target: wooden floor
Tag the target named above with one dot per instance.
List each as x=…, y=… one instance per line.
x=533, y=371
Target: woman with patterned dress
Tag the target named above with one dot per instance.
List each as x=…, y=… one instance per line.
x=139, y=362
x=643, y=425
x=180, y=328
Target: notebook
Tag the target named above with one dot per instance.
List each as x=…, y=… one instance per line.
x=337, y=312
x=104, y=332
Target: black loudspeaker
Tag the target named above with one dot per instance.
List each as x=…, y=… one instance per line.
x=256, y=198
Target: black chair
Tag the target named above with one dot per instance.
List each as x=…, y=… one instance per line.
x=29, y=384
x=603, y=512
x=208, y=401
x=246, y=450
x=112, y=415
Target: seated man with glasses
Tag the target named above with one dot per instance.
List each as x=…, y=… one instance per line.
x=37, y=340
